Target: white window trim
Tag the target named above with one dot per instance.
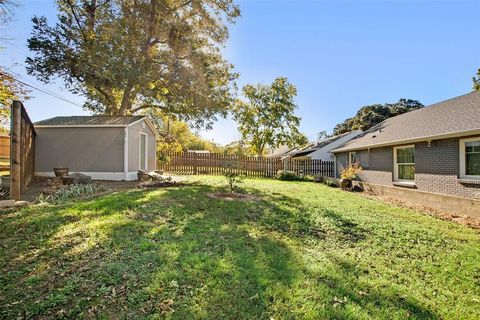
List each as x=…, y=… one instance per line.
x=395, y=165
x=350, y=157
x=463, y=158
x=140, y=150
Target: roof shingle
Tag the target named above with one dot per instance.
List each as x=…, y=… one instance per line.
x=89, y=121
x=457, y=115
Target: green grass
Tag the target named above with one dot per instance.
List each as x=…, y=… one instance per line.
x=300, y=251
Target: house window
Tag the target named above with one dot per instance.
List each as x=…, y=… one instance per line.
x=404, y=163
x=470, y=158
x=352, y=158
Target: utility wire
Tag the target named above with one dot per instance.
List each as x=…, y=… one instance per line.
x=55, y=95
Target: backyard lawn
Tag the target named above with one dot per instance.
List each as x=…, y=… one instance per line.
x=298, y=250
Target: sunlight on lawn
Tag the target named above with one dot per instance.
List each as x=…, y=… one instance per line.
x=299, y=250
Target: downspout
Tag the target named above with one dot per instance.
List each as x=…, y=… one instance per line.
x=335, y=165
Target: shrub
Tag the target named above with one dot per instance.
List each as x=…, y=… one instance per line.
x=286, y=175
x=163, y=159
x=331, y=183
x=234, y=180
x=231, y=173
x=70, y=192
x=351, y=171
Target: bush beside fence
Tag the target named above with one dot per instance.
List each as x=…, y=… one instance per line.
x=217, y=164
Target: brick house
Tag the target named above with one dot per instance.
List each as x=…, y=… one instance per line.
x=435, y=149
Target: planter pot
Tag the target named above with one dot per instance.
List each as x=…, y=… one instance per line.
x=60, y=172
x=346, y=184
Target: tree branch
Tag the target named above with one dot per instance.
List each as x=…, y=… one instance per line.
x=146, y=106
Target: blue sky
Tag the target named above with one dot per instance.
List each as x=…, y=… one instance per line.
x=341, y=55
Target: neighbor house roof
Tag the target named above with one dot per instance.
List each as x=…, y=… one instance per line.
x=452, y=118
x=94, y=121
x=315, y=146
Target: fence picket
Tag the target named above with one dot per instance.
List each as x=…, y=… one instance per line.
x=189, y=163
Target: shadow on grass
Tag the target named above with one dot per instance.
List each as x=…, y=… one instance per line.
x=177, y=253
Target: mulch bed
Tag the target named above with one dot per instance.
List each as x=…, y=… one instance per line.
x=440, y=214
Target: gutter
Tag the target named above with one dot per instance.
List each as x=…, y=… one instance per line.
x=456, y=134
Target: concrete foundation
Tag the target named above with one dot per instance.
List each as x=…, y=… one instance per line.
x=453, y=204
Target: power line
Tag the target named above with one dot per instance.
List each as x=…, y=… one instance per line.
x=55, y=95
x=48, y=92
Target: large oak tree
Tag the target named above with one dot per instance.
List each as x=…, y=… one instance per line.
x=369, y=116
x=131, y=55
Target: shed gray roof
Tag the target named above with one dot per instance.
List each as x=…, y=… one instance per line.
x=89, y=121
x=455, y=117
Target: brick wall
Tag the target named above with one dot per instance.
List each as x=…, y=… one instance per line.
x=436, y=166
x=377, y=165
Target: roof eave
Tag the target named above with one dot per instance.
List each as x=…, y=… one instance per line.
x=80, y=126
x=456, y=134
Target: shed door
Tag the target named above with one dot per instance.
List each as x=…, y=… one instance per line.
x=143, y=151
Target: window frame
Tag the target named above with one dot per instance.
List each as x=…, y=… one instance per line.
x=395, y=164
x=350, y=157
x=463, y=158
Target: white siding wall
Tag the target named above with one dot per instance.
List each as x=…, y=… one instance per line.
x=324, y=153
x=134, y=146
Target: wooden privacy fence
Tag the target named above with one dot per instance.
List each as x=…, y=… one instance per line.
x=22, y=152
x=4, y=147
x=216, y=164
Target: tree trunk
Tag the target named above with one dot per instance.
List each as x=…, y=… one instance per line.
x=126, y=104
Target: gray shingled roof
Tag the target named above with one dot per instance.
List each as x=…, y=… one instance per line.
x=315, y=146
x=89, y=121
x=454, y=117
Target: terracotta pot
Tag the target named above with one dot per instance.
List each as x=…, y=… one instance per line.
x=60, y=172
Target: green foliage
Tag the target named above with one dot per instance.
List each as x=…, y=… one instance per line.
x=267, y=118
x=127, y=56
x=330, y=182
x=234, y=180
x=476, y=81
x=233, y=175
x=177, y=136
x=351, y=171
x=291, y=176
x=10, y=88
x=236, y=148
x=70, y=192
x=372, y=115
x=163, y=159
x=322, y=135
x=300, y=251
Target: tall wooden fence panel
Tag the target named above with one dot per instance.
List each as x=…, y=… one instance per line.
x=22, y=152
x=190, y=163
x=4, y=147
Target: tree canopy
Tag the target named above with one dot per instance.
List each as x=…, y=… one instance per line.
x=476, y=81
x=177, y=136
x=125, y=56
x=267, y=117
x=10, y=88
x=369, y=116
